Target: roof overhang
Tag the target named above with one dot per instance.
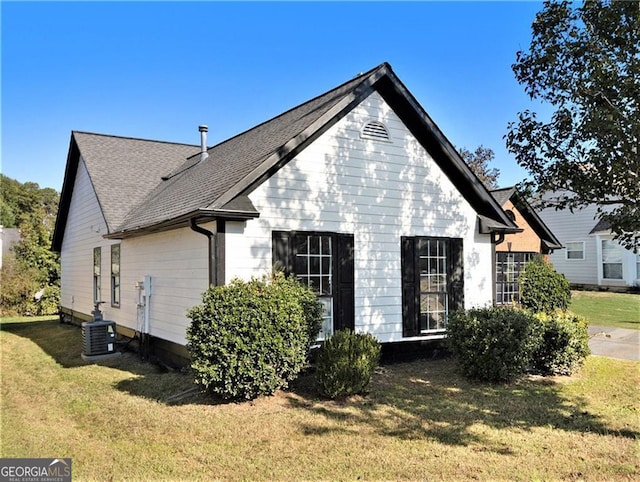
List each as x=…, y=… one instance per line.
x=489, y=225
x=201, y=215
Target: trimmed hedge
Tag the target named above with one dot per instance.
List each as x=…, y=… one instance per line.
x=542, y=289
x=564, y=345
x=251, y=338
x=346, y=362
x=493, y=344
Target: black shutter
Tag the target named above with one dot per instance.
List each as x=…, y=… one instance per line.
x=282, y=257
x=344, y=284
x=410, y=293
x=456, y=278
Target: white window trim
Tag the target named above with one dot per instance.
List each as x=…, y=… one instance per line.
x=566, y=251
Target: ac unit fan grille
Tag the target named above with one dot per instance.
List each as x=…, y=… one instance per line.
x=98, y=337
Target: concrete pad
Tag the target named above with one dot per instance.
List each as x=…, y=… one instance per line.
x=614, y=342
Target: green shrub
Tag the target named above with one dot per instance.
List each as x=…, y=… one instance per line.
x=251, y=338
x=493, y=344
x=49, y=302
x=564, y=345
x=346, y=362
x=542, y=289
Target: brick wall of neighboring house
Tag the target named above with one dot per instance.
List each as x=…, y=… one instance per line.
x=526, y=241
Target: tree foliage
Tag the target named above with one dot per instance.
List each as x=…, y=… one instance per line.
x=584, y=60
x=31, y=266
x=479, y=161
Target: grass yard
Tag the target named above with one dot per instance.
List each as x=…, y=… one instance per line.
x=420, y=421
x=603, y=308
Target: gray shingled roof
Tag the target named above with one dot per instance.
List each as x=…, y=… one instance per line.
x=124, y=171
x=503, y=195
x=197, y=186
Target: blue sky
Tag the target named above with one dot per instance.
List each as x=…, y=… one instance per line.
x=158, y=70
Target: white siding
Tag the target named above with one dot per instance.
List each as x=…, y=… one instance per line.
x=575, y=227
x=177, y=263
x=379, y=191
x=84, y=230
x=175, y=260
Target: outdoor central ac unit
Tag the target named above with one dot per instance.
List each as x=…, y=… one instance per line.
x=98, y=337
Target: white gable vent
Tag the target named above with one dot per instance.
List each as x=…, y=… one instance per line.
x=375, y=130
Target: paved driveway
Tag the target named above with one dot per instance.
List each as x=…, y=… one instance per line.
x=614, y=342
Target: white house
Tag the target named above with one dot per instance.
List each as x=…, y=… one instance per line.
x=590, y=256
x=357, y=192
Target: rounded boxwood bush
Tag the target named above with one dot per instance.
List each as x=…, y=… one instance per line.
x=565, y=343
x=250, y=338
x=493, y=344
x=542, y=288
x=346, y=362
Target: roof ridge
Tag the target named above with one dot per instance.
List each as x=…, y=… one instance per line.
x=308, y=101
x=115, y=136
x=186, y=167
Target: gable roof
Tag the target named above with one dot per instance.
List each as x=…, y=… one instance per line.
x=528, y=213
x=218, y=186
x=122, y=170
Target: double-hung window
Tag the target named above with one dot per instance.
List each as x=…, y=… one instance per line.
x=575, y=249
x=432, y=283
x=324, y=262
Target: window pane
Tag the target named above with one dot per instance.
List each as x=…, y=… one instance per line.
x=575, y=250
x=314, y=244
x=326, y=245
x=326, y=265
x=612, y=270
x=314, y=265
x=314, y=284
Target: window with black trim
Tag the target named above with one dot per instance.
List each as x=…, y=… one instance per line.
x=115, y=275
x=508, y=268
x=432, y=283
x=97, y=261
x=324, y=262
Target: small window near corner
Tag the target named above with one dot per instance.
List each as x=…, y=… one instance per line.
x=575, y=250
x=375, y=130
x=511, y=215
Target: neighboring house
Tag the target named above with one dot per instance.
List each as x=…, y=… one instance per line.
x=590, y=258
x=357, y=192
x=518, y=248
x=8, y=237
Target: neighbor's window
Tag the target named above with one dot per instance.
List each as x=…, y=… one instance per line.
x=575, y=250
x=611, y=260
x=115, y=275
x=97, y=259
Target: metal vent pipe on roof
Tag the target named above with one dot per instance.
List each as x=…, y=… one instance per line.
x=203, y=142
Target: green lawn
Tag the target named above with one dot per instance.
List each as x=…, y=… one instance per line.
x=421, y=420
x=620, y=310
